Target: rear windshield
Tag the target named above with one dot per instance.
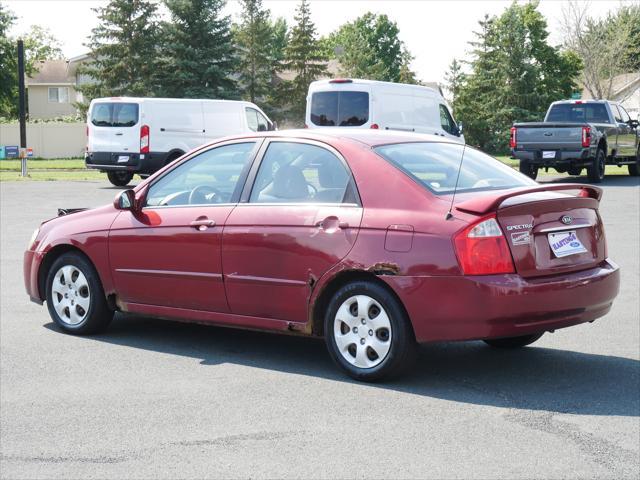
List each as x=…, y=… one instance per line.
x=342, y=109
x=578, y=113
x=114, y=114
x=435, y=165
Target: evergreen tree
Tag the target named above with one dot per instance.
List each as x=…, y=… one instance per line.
x=197, y=53
x=254, y=42
x=8, y=66
x=304, y=57
x=123, y=50
x=278, y=44
x=454, y=79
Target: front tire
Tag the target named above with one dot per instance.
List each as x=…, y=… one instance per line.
x=75, y=298
x=595, y=171
x=120, y=178
x=367, y=332
x=513, y=342
x=634, y=168
x=529, y=170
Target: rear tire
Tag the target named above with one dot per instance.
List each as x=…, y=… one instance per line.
x=75, y=298
x=367, y=332
x=513, y=342
x=634, y=168
x=529, y=170
x=595, y=171
x=119, y=178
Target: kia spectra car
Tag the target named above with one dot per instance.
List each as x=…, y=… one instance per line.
x=356, y=236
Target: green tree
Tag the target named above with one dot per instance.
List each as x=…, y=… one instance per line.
x=253, y=38
x=39, y=45
x=305, y=59
x=278, y=44
x=514, y=76
x=197, y=54
x=123, y=50
x=370, y=47
x=8, y=66
x=454, y=79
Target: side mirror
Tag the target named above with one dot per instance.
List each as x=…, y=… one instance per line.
x=460, y=129
x=125, y=200
x=274, y=126
x=633, y=123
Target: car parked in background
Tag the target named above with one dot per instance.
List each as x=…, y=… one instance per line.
x=578, y=134
x=375, y=240
x=127, y=135
x=371, y=104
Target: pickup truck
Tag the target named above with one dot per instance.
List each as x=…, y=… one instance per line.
x=577, y=134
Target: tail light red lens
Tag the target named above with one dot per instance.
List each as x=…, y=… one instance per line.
x=144, y=139
x=586, y=136
x=482, y=249
x=512, y=139
x=375, y=126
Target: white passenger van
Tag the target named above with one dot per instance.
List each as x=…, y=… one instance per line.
x=380, y=105
x=129, y=135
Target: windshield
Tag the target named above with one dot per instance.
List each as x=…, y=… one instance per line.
x=578, y=113
x=114, y=114
x=342, y=109
x=435, y=165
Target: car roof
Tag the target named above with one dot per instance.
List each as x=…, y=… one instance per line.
x=368, y=137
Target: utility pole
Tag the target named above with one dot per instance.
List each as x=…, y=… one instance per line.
x=22, y=110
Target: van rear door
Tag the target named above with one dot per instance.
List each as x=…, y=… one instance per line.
x=114, y=127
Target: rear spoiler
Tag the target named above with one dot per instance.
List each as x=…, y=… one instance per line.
x=490, y=203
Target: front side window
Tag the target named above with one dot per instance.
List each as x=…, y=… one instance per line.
x=58, y=95
x=208, y=178
x=341, y=108
x=448, y=125
x=114, y=114
x=435, y=165
x=623, y=114
x=252, y=119
x=301, y=173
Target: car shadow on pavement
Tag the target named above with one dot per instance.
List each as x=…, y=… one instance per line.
x=531, y=378
x=609, y=181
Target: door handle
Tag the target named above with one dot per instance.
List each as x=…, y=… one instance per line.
x=331, y=223
x=202, y=224
x=119, y=134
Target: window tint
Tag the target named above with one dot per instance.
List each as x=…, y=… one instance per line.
x=435, y=165
x=114, y=114
x=301, y=173
x=343, y=109
x=448, y=125
x=208, y=178
x=578, y=113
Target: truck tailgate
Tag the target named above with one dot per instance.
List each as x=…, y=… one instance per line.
x=554, y=135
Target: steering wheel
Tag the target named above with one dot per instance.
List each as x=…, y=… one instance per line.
x=199, y=194
x=313, y=187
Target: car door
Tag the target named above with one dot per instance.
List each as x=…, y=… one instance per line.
x=626, y=134
x=168, y=253
x=298, y=217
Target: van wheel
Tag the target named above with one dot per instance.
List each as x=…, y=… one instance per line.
x=574, y=170
x=75, y=298
x=595, y=171
x=120, y=179
x=367, y=332
x=634, y=168
x=513, y=342
x=529, y=170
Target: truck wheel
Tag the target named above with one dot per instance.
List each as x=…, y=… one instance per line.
x=634, y=168
x=120, y=179
x=574, y=170
x=529, y=170
x=595, y=171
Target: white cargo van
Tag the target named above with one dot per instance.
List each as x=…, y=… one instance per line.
x=380, y=105
x=129, y=135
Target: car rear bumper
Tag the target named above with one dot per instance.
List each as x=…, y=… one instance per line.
x=493, y=306
x=31, y=266
x=135, y=162
x=567, y=157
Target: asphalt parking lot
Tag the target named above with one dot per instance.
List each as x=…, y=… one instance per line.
x=157, y=399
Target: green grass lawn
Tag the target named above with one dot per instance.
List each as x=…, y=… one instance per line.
x=42, y=164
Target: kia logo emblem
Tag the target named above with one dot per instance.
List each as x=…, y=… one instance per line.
x=566, y=219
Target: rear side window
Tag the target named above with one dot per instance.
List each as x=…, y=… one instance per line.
x=578, y=113
x=435, y=165
x=341, y=109
x=114, y=114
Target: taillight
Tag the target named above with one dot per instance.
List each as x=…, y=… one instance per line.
x=586, y=136
x=144, y=139
x=482, y=249
x=375, y=126
x=512, y=139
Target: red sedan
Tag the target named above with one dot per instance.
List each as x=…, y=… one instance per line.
x=377, y=241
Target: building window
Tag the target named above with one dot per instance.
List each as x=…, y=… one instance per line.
x=58, y=94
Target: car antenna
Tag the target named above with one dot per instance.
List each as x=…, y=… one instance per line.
x=449, y=215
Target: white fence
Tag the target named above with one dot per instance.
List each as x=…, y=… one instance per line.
x=48, y=140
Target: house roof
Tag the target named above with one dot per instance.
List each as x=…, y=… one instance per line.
x=619, y=85
x=52, y=72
